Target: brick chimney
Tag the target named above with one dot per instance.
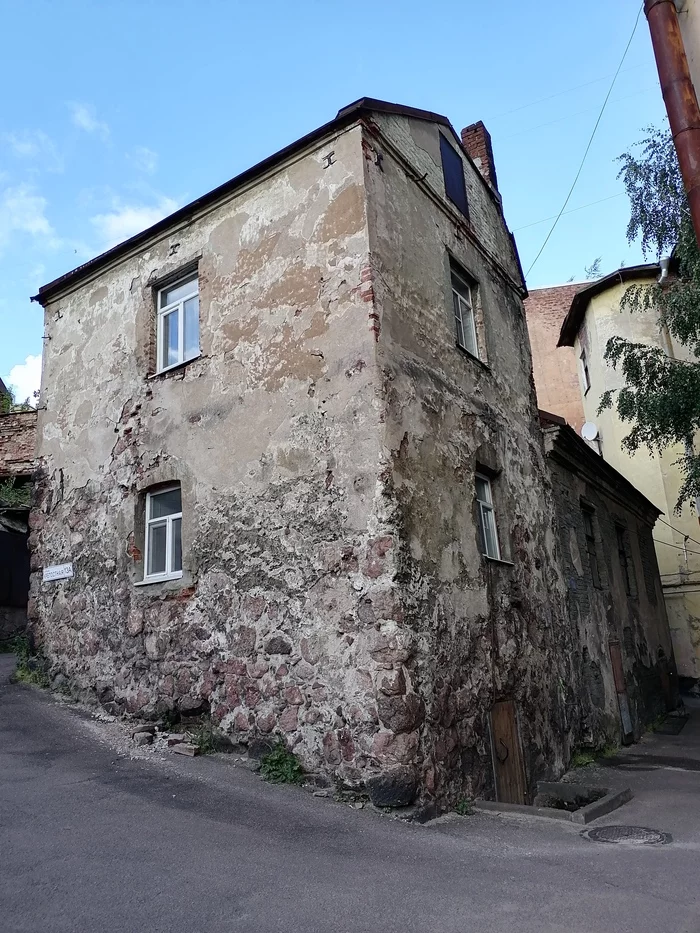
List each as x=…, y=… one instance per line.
x=476, y=139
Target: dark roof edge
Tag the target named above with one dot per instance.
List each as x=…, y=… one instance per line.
x=345, y=118
x=574, y=318
x=384, y=106
x=574, y=451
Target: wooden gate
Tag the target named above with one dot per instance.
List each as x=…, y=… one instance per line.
x=506, y=751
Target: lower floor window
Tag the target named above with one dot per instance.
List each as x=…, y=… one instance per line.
x=164, y=534
x=488, y=535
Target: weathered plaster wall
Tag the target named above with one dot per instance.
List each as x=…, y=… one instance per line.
x=556, y=369
x=17, y=443
x=656, y=475
x=606, y=612
x=474, y=631
x=274, y=435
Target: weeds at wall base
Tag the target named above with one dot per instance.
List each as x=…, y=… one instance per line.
x=280, y=766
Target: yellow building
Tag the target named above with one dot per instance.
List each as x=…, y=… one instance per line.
x=593, y=318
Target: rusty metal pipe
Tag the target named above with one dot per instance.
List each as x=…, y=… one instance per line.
x=679, y=96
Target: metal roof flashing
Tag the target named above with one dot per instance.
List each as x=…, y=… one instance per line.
x=579, y=303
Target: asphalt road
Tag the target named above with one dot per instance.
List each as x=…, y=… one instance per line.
x=91, y=842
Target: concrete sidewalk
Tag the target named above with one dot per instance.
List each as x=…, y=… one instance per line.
x=92, y=839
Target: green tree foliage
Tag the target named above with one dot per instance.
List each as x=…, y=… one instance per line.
x=661, y=395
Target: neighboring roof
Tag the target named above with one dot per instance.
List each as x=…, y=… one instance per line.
x=577, y=311
x=345, y=117
x=548, y=417
x=575, y=455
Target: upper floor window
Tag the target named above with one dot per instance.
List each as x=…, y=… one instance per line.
x=163, y=534
x=585, y=375
x=488, y=534
x=178, y=323
x=623, y=556
x=465, y=325
x=589, y=532
x=453, y=172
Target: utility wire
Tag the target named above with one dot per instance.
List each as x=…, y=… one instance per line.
x=676, y=546
x=590, y=143
x=576, y=113
x=568, y=90
x=572, y=211
x=678, y=531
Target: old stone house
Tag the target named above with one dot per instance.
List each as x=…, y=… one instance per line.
x=624, y=652
x=290, y=447
x=569, y=330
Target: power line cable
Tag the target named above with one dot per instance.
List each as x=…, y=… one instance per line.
x=676, y=546
x=577, y=113
x=590, y=143
x=572, y=211
x=678, y=531
x=569, y=90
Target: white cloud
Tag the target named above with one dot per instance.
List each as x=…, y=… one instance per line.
x=34, y=145
x=23, y=210
x=25, y=378
x=84, y=118
x=145, y=159
x=127, y=219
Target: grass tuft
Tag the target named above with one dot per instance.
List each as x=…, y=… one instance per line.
x=280, y=766
x=465, y=806
x=31, y=667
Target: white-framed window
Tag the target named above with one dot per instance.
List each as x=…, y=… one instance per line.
x=178, y=323
x=163, y=544
x=585, y=375
x=465, y=324
x=488, y=534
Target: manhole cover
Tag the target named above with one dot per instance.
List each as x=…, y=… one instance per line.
x=629, y=835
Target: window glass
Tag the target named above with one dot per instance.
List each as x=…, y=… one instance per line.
x=178, y=291
x=166, y=503
x=488, y=534
x=157, y=538
x=464, y=315
x=170, y=338
x=178, y=323
x=483, y=490
x=453, y=172
x=191, y=327
x=176, y=563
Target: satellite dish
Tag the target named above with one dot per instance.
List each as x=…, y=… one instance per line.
x=589, y=432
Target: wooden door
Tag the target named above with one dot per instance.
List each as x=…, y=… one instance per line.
x=506, y=751
x=621, y=689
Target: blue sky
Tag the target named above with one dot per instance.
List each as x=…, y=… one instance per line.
x=115, y=113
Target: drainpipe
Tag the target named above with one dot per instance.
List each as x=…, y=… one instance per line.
x=679, y=96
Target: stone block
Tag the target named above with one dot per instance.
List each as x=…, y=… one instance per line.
x=186, y=749
x=396, y=787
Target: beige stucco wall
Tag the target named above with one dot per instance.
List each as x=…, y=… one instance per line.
x=689, y=20
x=655, y=475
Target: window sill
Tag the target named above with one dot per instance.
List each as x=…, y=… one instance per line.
x=162, y=373
x=498, y=560
x=161, y=579
x=471, y=356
